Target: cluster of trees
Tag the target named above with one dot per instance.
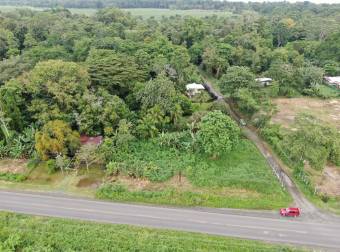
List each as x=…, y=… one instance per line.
x=311, y=140
x=107, y=75
x=64, y=75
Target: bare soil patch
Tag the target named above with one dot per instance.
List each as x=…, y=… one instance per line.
x=13, y=165
x=329, y=183
x=88, y=182
x=325, y=110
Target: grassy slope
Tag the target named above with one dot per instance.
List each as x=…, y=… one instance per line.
x=18, y=232
x=241, y=179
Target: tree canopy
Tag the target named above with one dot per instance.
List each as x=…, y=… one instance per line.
x=217, y=134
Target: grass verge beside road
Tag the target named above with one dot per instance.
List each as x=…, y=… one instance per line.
x=27, y=233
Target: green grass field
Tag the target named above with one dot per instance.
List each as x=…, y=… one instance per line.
x=27, y=233
x=140, y=12
x=329, y=92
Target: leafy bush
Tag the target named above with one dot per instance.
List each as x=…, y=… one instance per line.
x=56, y=138
x=139, y=169
x=246, y=101
x=51, y=166
x=312, y=141
x=271, y=133
x=221, y=106
x=107, y=190
x=18, y=145
x=260, y=121
x=3, y=150
x=13, y=177
x=217, y=134
x=178, y=140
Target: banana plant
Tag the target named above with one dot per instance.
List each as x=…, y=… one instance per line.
x=4, y=129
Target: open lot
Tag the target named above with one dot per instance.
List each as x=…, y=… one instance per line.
x=325, y=110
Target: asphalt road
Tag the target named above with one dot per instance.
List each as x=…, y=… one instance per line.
x=245, y=224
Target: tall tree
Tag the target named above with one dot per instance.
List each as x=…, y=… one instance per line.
x=56, y=138
x=235, y=78
x=217, y=134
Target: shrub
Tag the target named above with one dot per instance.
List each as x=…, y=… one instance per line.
x=246, y=101
x=56, y=138
x=178, y=140
x=13, y=177
x=51, y=166
x=108, y=190
x=136, y=168
x=325, y=198
x=221, y=106
x=271, y=133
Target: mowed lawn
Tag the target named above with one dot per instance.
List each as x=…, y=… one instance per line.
x=240, y=179
x=27, y=233
x=139, y=12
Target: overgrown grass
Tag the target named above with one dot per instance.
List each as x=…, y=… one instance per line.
x=206, y=198
x=7, y=176
x=26, y=233
x=328, y=92
x=240, y=179
x=300, y=177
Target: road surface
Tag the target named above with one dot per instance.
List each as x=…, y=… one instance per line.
x=244, y=224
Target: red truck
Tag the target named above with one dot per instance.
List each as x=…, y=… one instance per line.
x=290, y=211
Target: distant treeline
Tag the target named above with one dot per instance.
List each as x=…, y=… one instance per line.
x=267, y=7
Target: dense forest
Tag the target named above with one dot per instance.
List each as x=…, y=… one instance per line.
x=64, y=75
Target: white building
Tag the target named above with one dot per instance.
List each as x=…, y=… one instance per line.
x=333, y=81
x=194, y=88
x=264, y=82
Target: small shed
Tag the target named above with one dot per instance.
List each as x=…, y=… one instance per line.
x=264, y=82
x=194, y=88
x=333, y=81
x=84, y=139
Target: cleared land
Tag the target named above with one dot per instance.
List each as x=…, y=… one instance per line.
x=141, y=12
x=20, y=232
x=325, y=110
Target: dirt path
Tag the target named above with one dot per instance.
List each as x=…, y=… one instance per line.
x=279, y=169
